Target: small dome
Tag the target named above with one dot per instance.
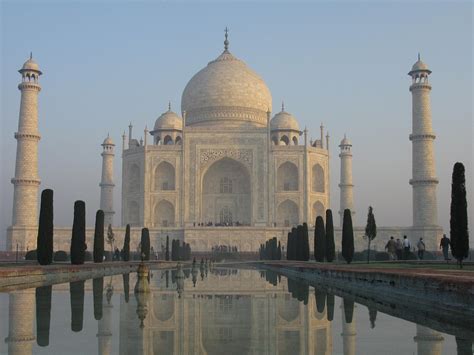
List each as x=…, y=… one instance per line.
x=108, y=141
x=345, y=141
x=169, y=121
x=30, y=64
x=284, y=121
x=419, y=65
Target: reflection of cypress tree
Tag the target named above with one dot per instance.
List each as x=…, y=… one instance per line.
x=298, y=290
x=348, y=309
x=372, y=315
x=464, y=346
x=43, y=314
x=98, y=292
x=173, y=276
x=76, y=290
x=330, y=302
x=320, y=299
x=186, y=273
x=126, y=285
x=167, y=277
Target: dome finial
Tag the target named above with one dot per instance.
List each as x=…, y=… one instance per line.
x=169, y=105
x=419, y=57
x=282, y=105
x=31, y=55
x=226, y=41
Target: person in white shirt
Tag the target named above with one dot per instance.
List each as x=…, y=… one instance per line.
x=406, y=247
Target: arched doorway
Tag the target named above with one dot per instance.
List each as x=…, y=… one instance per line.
x=164, y=214
x=226, y=193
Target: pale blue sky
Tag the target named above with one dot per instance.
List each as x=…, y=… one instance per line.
x=341, y=63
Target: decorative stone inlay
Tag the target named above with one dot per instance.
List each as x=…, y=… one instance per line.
x=210, y=155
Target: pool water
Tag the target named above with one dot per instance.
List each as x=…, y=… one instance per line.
x=206, y=311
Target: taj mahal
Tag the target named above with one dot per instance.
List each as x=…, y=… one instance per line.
x=225, y=170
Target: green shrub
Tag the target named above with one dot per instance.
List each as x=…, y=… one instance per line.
x=381, y=256
x=31, y=255
x=88, y=256
x=61, y=255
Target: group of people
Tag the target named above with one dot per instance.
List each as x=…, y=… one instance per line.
x=400, y=249
x=224, y=249
x=224, y=224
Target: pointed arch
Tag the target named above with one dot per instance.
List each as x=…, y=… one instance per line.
x=318, y=181
x=287, y=177
x=318, y=210
x=287, y=213
x=165, y=177
x=164, y=214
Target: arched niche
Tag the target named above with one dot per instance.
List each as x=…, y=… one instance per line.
x=164, y=214
x=318, y=210
x=287, y=177
x=318, y=183
x=165, y=177
x=287, y=213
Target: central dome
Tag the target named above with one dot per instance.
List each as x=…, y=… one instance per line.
x=226, y=93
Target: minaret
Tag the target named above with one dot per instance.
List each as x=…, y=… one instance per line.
x=346, y=187
x=424, y=181
x=26, y=181
x=104, y=333
x=107, y=181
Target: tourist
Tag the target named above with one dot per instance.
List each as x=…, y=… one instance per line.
x=421, y=248
x=399, y=248
x=445, y=243
x=406, y=247
x=391, y=248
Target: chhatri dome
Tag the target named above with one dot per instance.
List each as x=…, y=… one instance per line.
x=284, y=121
x=419, y=66
x=226, y=91
x=169, y=121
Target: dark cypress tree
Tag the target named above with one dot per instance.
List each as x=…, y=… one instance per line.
x=320, y=296
x=319, y=240
x=330, y=302
x=279, y=251
x=458, y=223
x=167, y=250
x=126, y=244
x=145, y=243
x=126, y=286
x=294, y=244
x=330, y=245
x=288, y=246
x=305, y=240
x=347, y=237
x=78, y=241
x=43, y=314
x=173, y=250
x=348, y=309
x=99, y=237
x=370, y=230
x=98, y=295
x=44, y=240
x=299, y=242
x=463, y=346
x=76, y=290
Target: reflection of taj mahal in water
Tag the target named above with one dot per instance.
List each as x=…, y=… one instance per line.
x=226, y=161
x=231, y=313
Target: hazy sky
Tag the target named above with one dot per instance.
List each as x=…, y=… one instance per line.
x=345, y=64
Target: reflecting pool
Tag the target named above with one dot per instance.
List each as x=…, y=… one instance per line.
x=210, y=310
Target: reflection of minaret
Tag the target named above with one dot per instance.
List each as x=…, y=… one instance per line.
x=429, y=341
x=346, y=187
x=104, y=333
x=21, y=318
x=348, y=333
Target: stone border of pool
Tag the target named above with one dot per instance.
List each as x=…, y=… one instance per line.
x=20, y=276
x=450, y=291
